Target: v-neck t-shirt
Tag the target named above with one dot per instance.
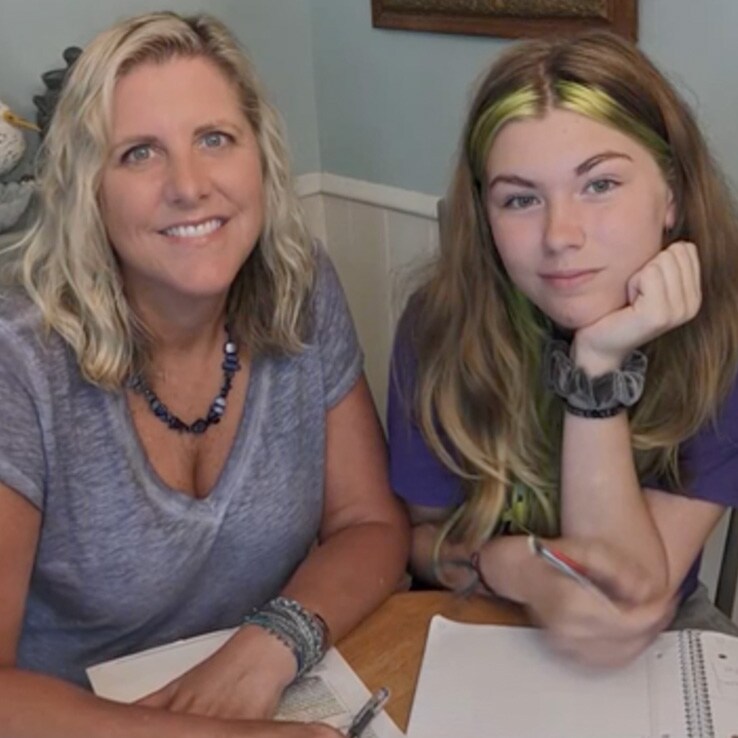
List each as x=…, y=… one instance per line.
x=125, y=563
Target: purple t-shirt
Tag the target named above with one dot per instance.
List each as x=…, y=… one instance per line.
x=709, y=459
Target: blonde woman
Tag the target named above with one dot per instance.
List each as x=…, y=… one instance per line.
x=568, y=369
x=188, y=442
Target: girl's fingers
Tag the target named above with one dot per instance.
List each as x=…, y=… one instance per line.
x=666, y=292
x=654, y=302
x=682, y=255
x=672, y=266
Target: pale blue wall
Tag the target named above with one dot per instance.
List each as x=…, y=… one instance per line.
x=33, y=34
x=695, y=42
x=390, y=103
x=383, y=106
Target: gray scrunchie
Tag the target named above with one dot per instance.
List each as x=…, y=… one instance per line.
x=611, y=391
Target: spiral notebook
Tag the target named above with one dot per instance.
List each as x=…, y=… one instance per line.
x=505, y=682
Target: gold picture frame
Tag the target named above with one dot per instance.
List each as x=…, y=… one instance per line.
x=507, y=18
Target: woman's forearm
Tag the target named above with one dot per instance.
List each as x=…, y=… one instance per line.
x=38, y=706
x=350, y=573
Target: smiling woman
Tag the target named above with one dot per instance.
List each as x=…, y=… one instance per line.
x=189, y=442
x=181, y=191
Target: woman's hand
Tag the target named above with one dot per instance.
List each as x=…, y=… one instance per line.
x=608, y=627
x=662, y=295
x=291, y=730
x=242, y=680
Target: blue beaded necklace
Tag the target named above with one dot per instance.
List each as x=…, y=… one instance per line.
x=230, y=365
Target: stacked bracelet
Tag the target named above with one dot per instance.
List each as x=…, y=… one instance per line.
x=598, y=397
x=304, y=633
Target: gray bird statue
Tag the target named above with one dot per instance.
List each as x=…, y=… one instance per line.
x=14, y=196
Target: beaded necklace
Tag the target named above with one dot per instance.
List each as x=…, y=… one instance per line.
x=230, y=365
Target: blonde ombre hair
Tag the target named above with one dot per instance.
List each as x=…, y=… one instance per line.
x=479, y=398
x=65, y=262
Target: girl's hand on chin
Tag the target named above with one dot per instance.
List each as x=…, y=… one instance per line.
x=664, y=294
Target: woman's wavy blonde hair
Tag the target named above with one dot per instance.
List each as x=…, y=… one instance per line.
x=479, y=398
x=65, y=262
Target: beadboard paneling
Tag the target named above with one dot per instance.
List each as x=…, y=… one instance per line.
x=376, y=251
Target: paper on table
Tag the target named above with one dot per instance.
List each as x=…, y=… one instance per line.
x=331, y=693
x=502, y=682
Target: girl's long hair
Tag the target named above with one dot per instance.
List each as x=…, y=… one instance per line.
x=479, y=399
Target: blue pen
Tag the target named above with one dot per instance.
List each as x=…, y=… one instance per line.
x=368, y=712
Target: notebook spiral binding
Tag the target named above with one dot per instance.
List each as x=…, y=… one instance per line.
x=697, y=710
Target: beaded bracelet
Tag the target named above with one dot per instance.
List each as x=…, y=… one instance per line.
x=305, y=633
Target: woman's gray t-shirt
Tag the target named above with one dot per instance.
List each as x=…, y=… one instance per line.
x=126, y=563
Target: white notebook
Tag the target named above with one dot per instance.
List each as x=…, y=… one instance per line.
x=505, y=682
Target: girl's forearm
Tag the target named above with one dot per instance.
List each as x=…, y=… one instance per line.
x=601, y=497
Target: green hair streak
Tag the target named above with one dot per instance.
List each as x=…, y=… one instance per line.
x=587, y=100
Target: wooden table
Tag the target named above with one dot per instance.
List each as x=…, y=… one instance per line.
x=387, y=648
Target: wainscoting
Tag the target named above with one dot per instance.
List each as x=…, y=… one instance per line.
x=379, y=238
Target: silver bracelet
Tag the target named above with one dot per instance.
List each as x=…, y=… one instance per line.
x=303, y=632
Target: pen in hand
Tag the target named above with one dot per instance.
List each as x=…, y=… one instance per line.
x=368, y=712
x=567, y=566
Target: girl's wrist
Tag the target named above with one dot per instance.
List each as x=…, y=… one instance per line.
x=592, y=384
x=595, y=363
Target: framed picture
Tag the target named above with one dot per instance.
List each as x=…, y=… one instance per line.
x=507, y=18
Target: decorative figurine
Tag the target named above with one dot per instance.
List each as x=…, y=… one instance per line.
x=14, y=196
x=53, y=80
